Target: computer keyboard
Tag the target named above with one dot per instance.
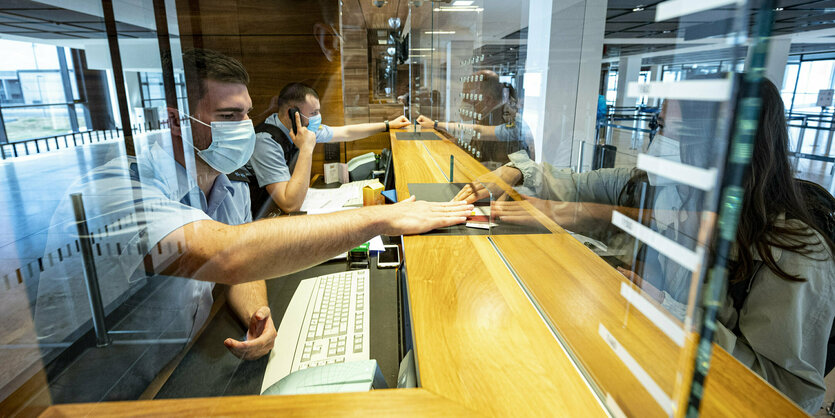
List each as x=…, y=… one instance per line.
x=326, y=322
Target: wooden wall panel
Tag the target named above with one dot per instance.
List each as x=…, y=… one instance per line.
x=278, y=41
x=287, y=17
x=374, y=143
x=380, y=112
x=355, y=75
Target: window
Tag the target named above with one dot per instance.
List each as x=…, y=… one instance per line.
x=612, y=87
x=152, y=90
x=34, y=99
x=803, y=82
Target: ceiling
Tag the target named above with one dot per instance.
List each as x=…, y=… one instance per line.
x=501, y=27
x=625, y=20
x=25, y=18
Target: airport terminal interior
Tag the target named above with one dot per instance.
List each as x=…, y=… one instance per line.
x=622, y=207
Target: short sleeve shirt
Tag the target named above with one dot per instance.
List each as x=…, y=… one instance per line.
x=268, y=161
x=131, y=204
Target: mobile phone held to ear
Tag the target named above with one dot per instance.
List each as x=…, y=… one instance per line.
x=292, y=113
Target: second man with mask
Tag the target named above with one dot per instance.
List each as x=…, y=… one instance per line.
x=282, y=161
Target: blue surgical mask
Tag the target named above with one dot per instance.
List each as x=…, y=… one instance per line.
x=313, y=122
x=232, y=145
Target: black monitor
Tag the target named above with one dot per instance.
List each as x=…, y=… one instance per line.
x=388, y=178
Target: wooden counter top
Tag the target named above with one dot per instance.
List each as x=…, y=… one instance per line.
x=576, y=290
x=389, y=402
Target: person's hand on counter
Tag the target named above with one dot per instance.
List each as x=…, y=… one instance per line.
x=477, y=190
x=576, y=216
x=260, y=337
x=514, y=211
x=400, y=122
x=410, y=216
x=425, y=123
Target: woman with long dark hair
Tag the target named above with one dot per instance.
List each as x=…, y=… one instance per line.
x=782, y=270
x=783, y=273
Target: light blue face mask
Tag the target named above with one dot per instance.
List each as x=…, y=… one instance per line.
x=313, y=123
x=232, y=145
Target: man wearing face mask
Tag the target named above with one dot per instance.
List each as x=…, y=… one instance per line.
x=282, y=162
x=172, y=221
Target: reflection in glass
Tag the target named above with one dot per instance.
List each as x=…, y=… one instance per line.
x=36, y=122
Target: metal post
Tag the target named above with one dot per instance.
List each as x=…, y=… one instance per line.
x=799, y=146
x=65, y=80
x=118, y=75
x=4, y=139
x=90, y=276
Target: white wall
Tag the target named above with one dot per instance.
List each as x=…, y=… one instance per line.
x=565, y=44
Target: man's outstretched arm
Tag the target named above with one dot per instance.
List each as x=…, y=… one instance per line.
x=363, y=130
x=270, y=248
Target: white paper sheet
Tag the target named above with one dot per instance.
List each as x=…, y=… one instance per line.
x=324, y=199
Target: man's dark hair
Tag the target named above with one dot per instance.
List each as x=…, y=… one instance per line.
x=295, y=93
x=204, y=64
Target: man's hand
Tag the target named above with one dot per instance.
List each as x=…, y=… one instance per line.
x=400, y=122
x=305, y=139
x=412, y=217
x=513, y=211
x=260, y=337
x=425, y=122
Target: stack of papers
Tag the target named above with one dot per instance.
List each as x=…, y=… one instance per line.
x=354, y=191
x=347, y=195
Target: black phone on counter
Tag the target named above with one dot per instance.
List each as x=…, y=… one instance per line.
x=292, y=113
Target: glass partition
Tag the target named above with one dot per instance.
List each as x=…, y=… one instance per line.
x=594, y=138
x=619, y=200
x=89, y=315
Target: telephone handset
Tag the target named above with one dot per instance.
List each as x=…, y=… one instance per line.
x=292, y=114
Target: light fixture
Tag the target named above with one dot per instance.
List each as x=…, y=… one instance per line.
x=458, y=9
x=639, y=8
x=390, y=50
x=439, y=32
x=422, y=49
x=458, y=3
x=778, y=9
